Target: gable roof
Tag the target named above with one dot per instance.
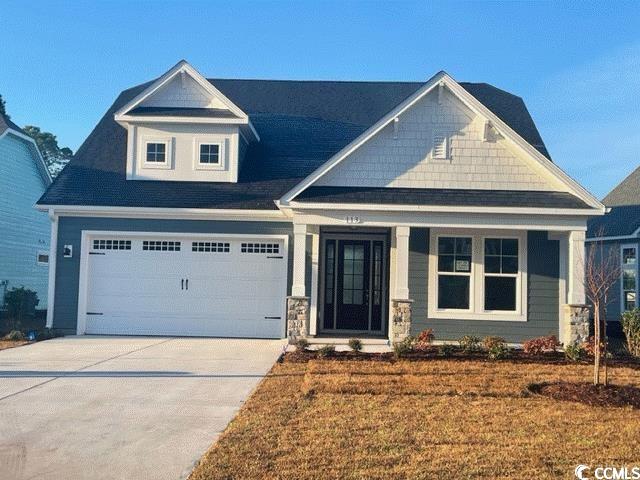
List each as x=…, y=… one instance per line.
x=621, y=221
x=301, y=125
x=626, y=192
x=440, y=81
x=7, y=126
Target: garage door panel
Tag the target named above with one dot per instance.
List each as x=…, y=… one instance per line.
x=236, y=287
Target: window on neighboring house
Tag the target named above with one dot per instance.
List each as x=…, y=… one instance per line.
x=42, y=258
x=156, y=152
x=440, y=146
x=454, y=273
x=209, y=153
x=629, y=277
x=500, y=273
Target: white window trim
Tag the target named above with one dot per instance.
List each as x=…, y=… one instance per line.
x=624, y=267
x=221, y=165
x=168, y=159
x=476, y=286
x=42, y=252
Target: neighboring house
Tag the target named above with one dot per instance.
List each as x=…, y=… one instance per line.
x=196, y=207
x=620, y=230
x=24, y=232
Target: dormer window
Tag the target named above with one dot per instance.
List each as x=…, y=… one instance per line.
x=156, y=153
x=209, y=153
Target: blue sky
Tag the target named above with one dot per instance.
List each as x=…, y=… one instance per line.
x=576, y=64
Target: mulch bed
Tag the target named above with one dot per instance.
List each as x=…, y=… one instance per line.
x=517, y=356
x=589, y=394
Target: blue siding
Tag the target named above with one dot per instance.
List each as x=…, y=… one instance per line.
x=70, y=233
x=24, y=230
x=614, y=308
x=542, y=285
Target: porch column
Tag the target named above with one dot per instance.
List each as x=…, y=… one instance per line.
x=299, y=259
x=298, y=303
x=576, y=312
x=576, y=268
x=400, y=302
x=402, y=263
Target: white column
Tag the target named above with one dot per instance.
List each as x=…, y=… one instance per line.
x=299, y=259
x=402, y=263
x=315, y=256
x=575, y=276
x=53, y=252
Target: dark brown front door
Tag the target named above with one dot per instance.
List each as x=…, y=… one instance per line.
x=353, y=285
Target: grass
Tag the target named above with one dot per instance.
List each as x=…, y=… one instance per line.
x=422, y=419
x=4, y=344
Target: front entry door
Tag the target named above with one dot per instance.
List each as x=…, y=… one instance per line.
x=353, y=285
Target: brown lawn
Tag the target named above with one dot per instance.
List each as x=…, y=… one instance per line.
x=4, y=344
x=427, y=419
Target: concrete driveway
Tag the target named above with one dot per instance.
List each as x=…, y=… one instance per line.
x=121, y=407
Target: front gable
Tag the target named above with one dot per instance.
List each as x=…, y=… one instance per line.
x=438, y=143
x=442, y=137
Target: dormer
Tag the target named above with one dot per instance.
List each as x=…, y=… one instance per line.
x=182, y=128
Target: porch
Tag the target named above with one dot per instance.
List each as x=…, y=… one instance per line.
x=356, y=276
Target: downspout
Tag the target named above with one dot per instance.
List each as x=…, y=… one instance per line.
x=53, y=251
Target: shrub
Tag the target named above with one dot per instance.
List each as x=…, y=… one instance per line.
x=301, y=343
x=490, y=342
x=424, y=340
x=404, y=347
x=631, y=329
x=589, y=347
x=540, y=345
x=46, y=334
x=499, y=351
x=469, y=343
x=574, y=352
x=21, y=305
x=14, y=336
x=326, y=351
x=355, y=344
x=446, y=350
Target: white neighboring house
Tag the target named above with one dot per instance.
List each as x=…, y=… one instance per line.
x=267, y=208
x=25, y=232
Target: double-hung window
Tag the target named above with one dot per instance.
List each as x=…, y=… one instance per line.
x=479, y=275
x=454, y=273
x=500, y=274
x=629, y=258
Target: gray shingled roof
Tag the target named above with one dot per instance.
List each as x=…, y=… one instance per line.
x=6, y=123
x=301, y=125
x=626, y=193
x=620, y=221
x=181, y=112
x=438, y=196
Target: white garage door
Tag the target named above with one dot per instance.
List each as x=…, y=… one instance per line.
x=227, y=287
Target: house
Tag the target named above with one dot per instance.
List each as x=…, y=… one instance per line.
x=620, y=230
x=24, y=237
x=265, y=208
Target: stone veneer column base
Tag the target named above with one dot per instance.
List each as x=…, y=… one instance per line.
x=577, y=323
x=297, y=318
x=401, y=319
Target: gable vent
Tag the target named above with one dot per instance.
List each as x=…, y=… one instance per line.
x=440, y=146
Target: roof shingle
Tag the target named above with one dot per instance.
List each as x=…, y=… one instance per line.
x=301, y=125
